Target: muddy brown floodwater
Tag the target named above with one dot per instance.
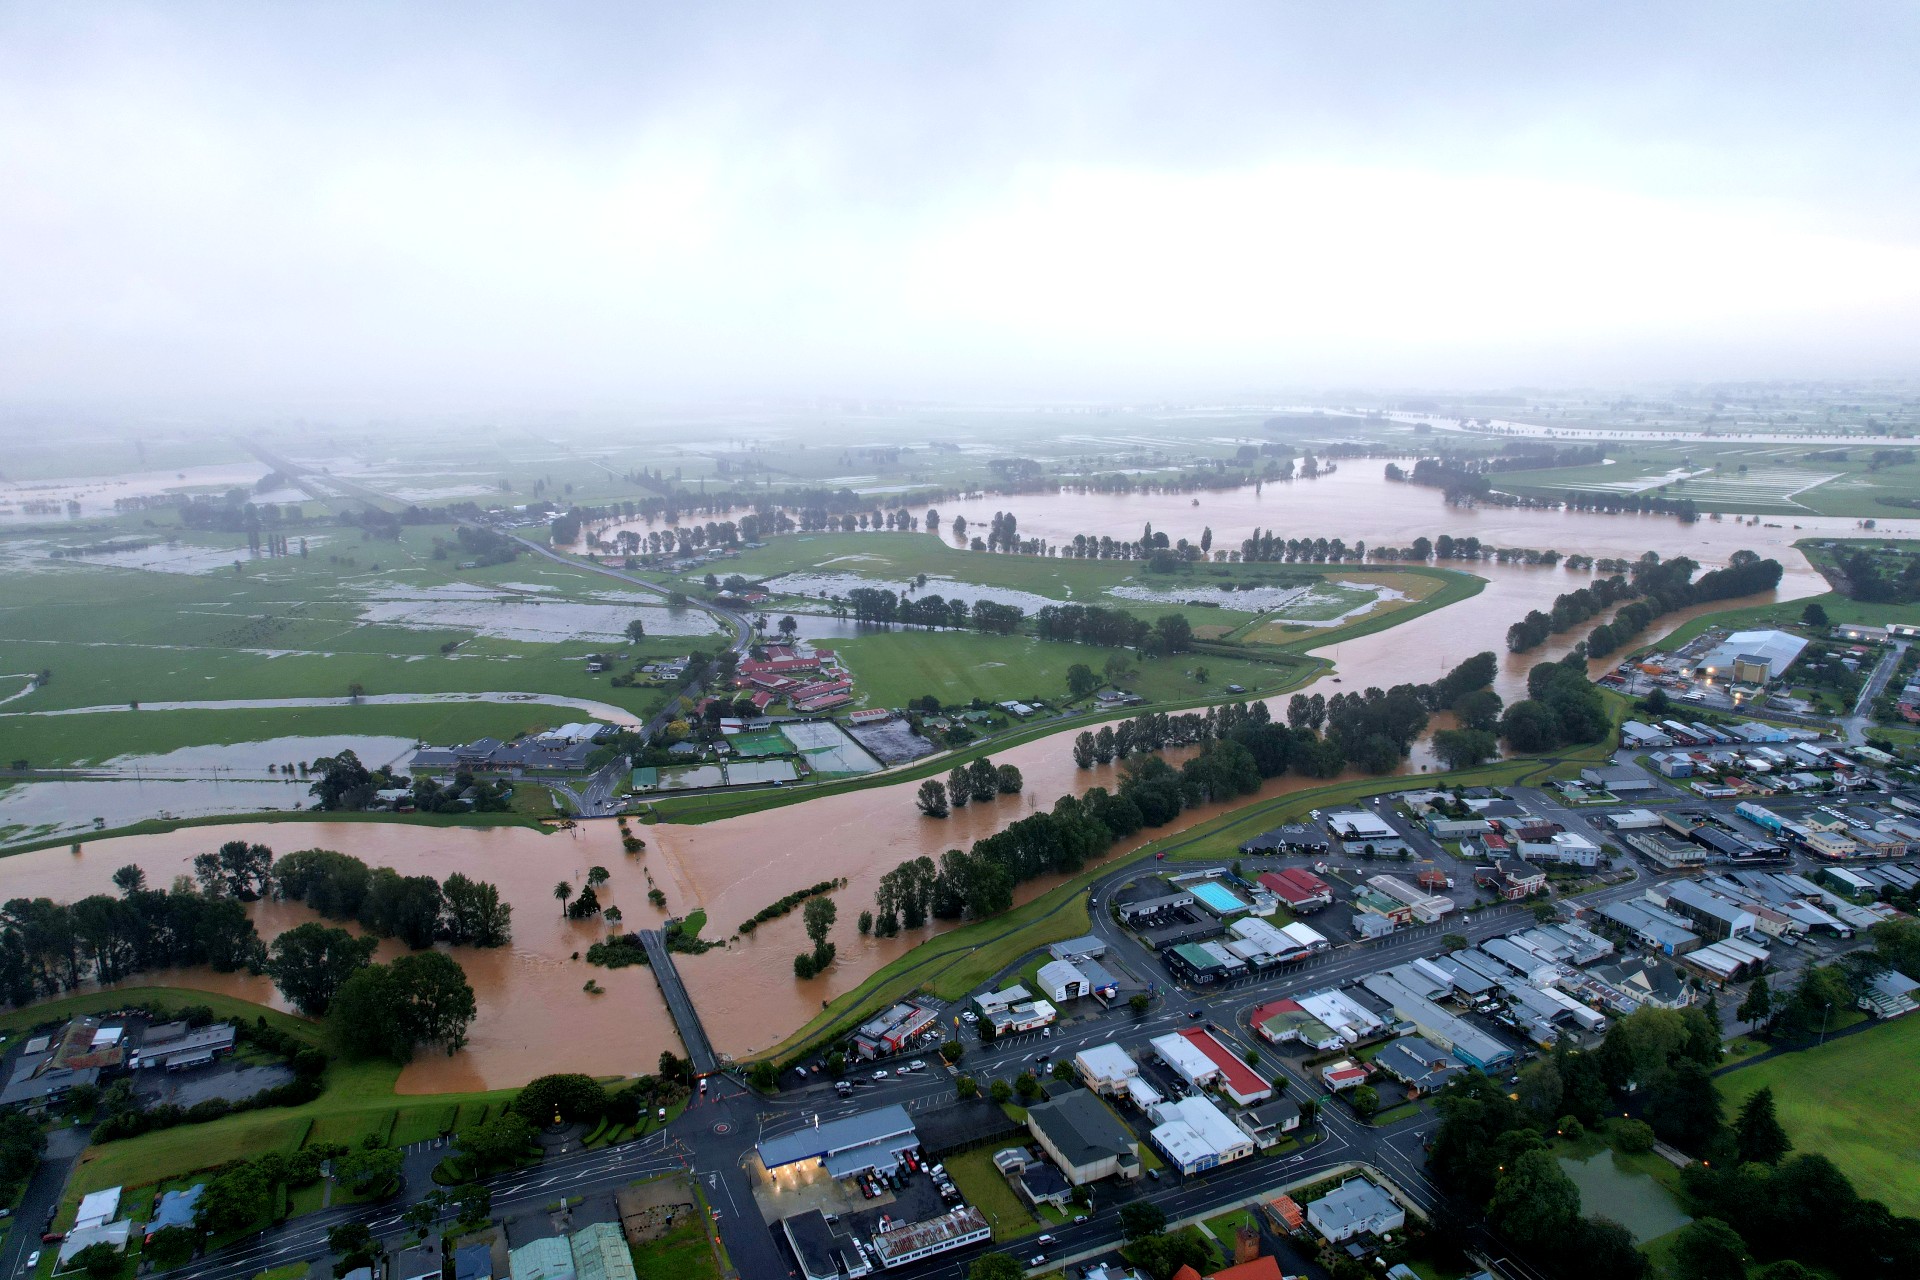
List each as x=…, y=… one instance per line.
x=533, y=1015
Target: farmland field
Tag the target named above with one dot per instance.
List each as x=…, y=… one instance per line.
x=1767, y=478
x=1851, y=1100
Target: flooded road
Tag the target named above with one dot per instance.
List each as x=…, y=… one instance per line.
x=533, y=1015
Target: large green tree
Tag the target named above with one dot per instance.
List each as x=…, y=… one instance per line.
x=310, y=961
x=1709, y=1249
x=1534, y=1203
x=1757, y=1134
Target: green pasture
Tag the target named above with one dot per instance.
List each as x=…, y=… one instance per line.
x=1852, y=1101
x=956, y=666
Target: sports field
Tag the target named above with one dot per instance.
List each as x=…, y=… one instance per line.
x=1853, y=1101
x=1754, y=476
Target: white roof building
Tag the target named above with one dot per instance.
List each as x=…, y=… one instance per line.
x=1191, y=1065
x=1777, y=649
x=1062, y=980
x=1107, y=1068
x=1197, y=1135
x=97, y=1208
x=1345, y=1018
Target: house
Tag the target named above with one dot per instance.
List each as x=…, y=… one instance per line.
x=1269, y=1122
x=1354, y=1208
x=1511, y=878
x=1344, y=1074
x=1420, y=1066
x=1283, y=1020
x=176, y=1209
x=1084, y=1138
x=473, y=1262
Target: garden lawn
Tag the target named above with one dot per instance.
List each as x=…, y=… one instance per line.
x=684, y=1253
x=973, y=1173
x=1851, y=1100
x=958, y=666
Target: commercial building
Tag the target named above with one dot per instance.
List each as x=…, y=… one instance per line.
x=1620, y=779
x=1106, y=1068
x=1751, y=657
x=825, y=1250
x=186, y=1049
x=1650, y=926
x=1194, y=1135
x=600, y=1253
x=1633, y=820
x=1084, y=1138
x=1634, y=734
x=1710, y=914
x=1562, y=848
x=1280, y=1021
x=910, y=1242
x=1450, y=1032
x=1355, y=1208
x=893, y=1030
x=1426, y=907
x=1022, y=1017
x=1062, y=980
x=870, y=1141
x=1358, y=830
x=1349, y=1020
x=1302, y=891
x=1236, y=1079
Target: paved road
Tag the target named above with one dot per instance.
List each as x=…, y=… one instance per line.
x=31, y=1215
x=1861, y=719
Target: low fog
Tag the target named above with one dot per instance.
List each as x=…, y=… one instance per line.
x=239, y=207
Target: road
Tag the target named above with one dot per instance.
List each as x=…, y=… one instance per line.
x=1861, y=719
x=33, y=1213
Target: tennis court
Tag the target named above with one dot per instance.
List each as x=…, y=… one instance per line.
x=749, y=743
x=829, y=751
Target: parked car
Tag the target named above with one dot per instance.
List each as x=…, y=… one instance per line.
x=1154, y=1174
x=918, y=1064
x=33, y=1259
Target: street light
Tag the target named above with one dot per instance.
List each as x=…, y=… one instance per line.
x=1823, y=1022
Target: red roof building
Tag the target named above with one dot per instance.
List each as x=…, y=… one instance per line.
x=1300, y=890
x=1237, y=1080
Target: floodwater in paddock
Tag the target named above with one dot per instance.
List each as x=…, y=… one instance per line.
x=533, y=1015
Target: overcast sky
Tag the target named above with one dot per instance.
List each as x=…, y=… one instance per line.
x=467, y=206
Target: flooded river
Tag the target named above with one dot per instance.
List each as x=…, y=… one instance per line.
x=533, y=1015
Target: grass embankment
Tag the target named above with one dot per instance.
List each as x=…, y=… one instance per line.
x=950, y=964
x=537, y=808
x=1852, y=1101
x=359, y=1102
x=1426, y=588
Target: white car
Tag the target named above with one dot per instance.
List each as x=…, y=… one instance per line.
x=33, y=1259
x=918, y=1064
x=879, y=1075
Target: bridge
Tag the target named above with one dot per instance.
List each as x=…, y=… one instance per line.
x=679, y=1003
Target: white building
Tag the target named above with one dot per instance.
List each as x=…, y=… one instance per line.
x=1062, y=980
x=1342, y=1016
x=1187, y=1062
x=1355, y=1207
x=1195, y=1135
x=1565, y=848
x=1106, y=1068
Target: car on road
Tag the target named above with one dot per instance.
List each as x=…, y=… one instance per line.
x=918, y=1064
x=1043, y=1239
x=844, y=1088
x=1037, y=1259
x=1196, y=1013
x=1081, y=1217
x=879, y=1075
x=33, y=1259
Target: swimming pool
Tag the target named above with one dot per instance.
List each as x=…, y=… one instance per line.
x=1217, y=896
